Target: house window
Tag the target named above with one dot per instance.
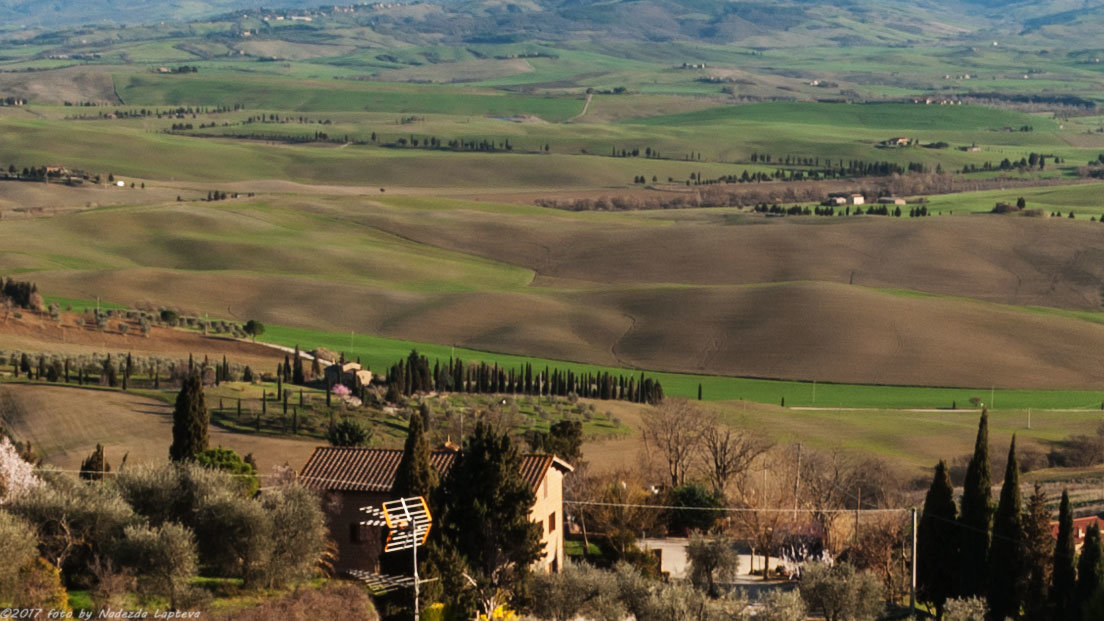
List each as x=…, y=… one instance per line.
x=551, y=522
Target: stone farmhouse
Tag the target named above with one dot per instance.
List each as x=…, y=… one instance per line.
x=353, y=477
x=350, y=374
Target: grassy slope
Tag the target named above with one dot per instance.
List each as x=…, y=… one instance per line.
x=65, y=423
x=269, y=94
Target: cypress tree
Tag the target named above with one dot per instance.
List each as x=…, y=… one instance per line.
x=297, y=376
x=425, y=413
x=483, y=512
x=95, y=465
x=1007, y=570
x=937, y=543
x=974, y=519
x=1064, y=579
x=1038, y=544
x=287, y=369
x=109, y=371
x=415, y=476
x=1090, y=571
x=190, y=420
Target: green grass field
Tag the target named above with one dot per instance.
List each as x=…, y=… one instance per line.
x=915, y=441
x=379, y=353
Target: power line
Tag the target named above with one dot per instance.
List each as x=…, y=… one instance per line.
x=229, y=474
x=729, y=509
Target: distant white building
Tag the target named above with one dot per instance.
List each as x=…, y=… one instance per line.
x=858, y=199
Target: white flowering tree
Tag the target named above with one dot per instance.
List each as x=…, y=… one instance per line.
x=16, y=475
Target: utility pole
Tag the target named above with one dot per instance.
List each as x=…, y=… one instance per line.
x=912, y=566
x=858, y=504
x=1029, y=418
x=416, y=589
x=797, y=477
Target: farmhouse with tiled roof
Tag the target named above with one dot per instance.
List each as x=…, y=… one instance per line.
x=355, y=477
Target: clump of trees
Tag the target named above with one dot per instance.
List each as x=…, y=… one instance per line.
x=21, y=294
x=149, y=530
x=1003, y=562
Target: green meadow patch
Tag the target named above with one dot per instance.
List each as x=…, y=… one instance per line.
x=380, y=353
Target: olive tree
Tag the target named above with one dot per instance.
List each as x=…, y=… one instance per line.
x=163, y=557
x=841, y=592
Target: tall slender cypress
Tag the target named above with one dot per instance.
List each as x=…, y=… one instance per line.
x=974, y=519
x=190, y=420
x=415, y=476
x=1038, y=546
x=1007, y=570
x=937, y=543
x=297, y=375
x=1064, y=580
x=1090, y=571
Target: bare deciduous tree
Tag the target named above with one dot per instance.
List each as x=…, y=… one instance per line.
x=727, y=451
x=765, y=499
x=675, y=429
x=826, y=484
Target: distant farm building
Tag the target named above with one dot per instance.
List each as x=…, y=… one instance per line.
x=350, y=374
x=891, y=200
x=899, y=141
x=857, y=199
x=835, y=201
x=355, y=477
x=1080, y=527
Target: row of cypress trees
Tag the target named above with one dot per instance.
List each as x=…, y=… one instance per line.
x=413, y=375
x=1008, y=556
